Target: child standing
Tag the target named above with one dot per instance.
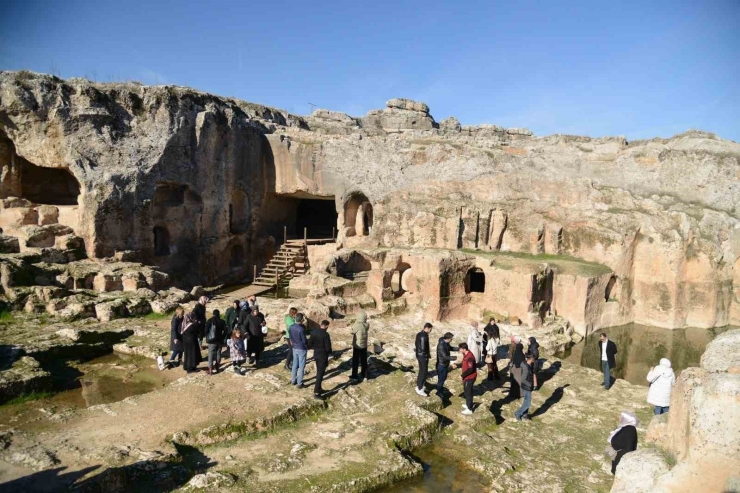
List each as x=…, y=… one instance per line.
x=236, y=350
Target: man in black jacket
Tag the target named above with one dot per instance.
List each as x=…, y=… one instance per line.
x=422, y=356
x=320, y=342
x=607, y=349
x=215, y=330
x=255, y=338
x=443, y=361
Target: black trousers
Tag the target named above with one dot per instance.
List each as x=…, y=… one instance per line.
x=421, y=376
x=359, y=358
x=322, y=361
x=468, y=391
x=289, y=358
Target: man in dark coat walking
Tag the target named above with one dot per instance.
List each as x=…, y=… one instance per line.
x=421, y=348
x=320, y=342
x=255, y=339
x=608, y=350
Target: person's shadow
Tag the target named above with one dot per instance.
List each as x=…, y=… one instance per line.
x=557, y=394
x=497, y=406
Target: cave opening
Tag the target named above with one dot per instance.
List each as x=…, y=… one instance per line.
x=161, y=241
x=475, y=281
x=51, y=186
x=317, y=216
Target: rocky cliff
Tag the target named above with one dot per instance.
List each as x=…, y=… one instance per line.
x=203, y=186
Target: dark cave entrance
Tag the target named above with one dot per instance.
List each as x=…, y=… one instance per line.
x=318, y=216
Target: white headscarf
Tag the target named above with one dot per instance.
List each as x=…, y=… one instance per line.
x=625, y=419
x=665, y=362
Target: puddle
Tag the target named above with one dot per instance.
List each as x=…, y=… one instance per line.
x=640, y=347
x=441, y=475
x=110, y=378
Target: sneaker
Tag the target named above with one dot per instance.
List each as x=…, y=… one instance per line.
x=467, y=412
x=236, y=370
x=526, y=418
x=318, y=397
x=517, y=418
x=421, y=392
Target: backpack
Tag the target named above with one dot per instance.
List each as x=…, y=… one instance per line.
x=211, y=333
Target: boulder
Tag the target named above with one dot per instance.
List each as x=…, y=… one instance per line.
x=24, y=376
x=111, y=310
x=637, y=471
x=197, y=292
x=451, y=125
x=407, y=104
x=723, y=353
x=9, y=244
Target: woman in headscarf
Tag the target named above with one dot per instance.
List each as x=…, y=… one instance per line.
x=475, y=342
x=516, y=356
x=662, y=379
x=624, y=439
x=199, y=312
x=191, y=346
x=175, y=337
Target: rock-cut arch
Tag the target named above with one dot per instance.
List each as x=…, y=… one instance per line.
x=358, y=215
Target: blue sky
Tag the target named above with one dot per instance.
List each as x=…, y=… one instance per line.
x=639, y=69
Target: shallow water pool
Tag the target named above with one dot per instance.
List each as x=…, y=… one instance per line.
x=640, y=347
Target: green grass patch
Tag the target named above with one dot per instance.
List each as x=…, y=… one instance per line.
x=33, y=396
x=156, y=316
x=560, y=263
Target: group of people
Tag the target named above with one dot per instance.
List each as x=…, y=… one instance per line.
x=242, y=331
x=480, y=348
x=524, y=367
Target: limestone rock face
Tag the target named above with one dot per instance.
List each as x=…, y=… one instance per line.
x=202, y=187
x=638, y=471
x=701, y=428
x=723, y=353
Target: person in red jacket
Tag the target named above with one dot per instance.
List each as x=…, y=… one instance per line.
x=469, y=374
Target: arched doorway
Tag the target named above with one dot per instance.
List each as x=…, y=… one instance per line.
x=358, y=215
x=400, y=279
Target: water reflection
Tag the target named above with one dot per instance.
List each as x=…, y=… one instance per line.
x=640, y=347
x=442, y=474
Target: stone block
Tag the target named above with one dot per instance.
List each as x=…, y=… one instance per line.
x=48, y=214
x=107, y=282
x=9, y=244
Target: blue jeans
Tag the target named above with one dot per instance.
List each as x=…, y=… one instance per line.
x=525, y=405
x=661, y=410
x=607, y=375
x=176, y=354
x=441, y=377
x=299, y=366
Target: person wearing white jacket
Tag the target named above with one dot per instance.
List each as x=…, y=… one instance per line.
x=662, y=379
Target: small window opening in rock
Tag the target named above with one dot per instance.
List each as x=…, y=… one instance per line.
x=399, y=284
x=169, y=194
x=161, y=241
x=237, y=257
x=475, y=281
x=608, y=294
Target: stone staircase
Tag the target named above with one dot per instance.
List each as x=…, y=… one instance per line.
x=290, y=261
